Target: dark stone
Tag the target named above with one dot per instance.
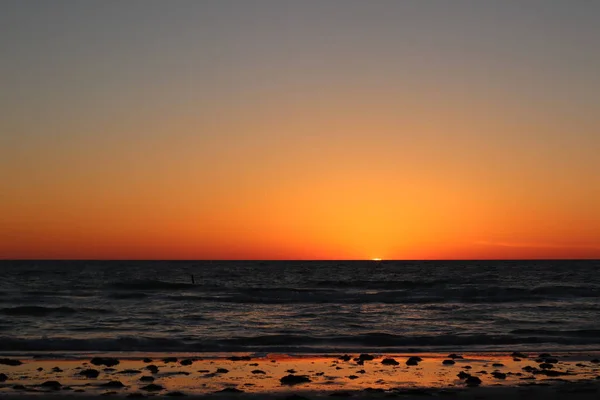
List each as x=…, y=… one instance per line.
x=152, y=388
x=291, y=371
x=339, y=368
x=67, y=388
x=463, y=375
x=135, y=395
x=413, y=360
x=203, y=371
x=18, y=387
x=389, y=361
x=499, y=375
x=448, y=362
x=516, y=354
x=551, y=373
x=595, y=361
x=108, y=394
x=345, y=357
x=473, y=381
x=516, y=359
x=467, y=367
x=56, y=369
x=545, y=355
x=353, y=377
x=90, y=373
x=320, y=373
x=109, y=370
x=551, y=360
x=362, y=371
x=10, y=361
x=147, y=361
x=546, y=366
x=360, y=362
x=258, y=371
x=130, y=372
x=294, y=379
x=497, y=365
x=40, y=369
x=187, y=361
x=170, y=360
x=230, y=390
x=221, y=371
x=106, y=361
x=176, y=394
x=455, y=356
x=3, y=377
x=152, y=368
x=54, y=385
x=147, y=379
x=366, y=357
x=253, y=365
x=529, y=368
x=113, y=385
x=242, y=358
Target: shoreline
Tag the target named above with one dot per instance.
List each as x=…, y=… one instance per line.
x=310, y=376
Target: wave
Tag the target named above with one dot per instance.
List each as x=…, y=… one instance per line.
x=151, y=285
x=127, y=296
x=372, y=342
x=443, y=295
x=353, y=292
x=385, y=284
x=592, y=333
x=39, y=311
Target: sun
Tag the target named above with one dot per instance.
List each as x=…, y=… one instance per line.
x=376, y=259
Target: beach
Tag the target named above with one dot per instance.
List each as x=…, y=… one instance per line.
x=300, y=330
x=466, y=375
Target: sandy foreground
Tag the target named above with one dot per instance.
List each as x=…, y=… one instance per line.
x=482, y=376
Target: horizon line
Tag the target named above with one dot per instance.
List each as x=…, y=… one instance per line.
x=299, y=259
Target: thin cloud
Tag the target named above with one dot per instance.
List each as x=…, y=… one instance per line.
x=539, y=245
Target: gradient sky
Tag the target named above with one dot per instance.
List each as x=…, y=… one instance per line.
x=299, y=129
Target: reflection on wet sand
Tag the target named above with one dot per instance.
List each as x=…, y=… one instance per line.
x=200, y=375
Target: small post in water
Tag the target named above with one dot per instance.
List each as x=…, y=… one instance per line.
x=193, y=281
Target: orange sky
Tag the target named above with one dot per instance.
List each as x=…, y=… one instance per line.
x=301, y=132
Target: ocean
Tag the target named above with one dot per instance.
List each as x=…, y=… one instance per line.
x=299, y=307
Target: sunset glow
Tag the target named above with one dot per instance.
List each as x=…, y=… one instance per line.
x=299, y=130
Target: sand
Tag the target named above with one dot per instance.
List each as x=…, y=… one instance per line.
x=572, y=376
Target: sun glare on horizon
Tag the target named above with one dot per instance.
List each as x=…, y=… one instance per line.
x=376, y=259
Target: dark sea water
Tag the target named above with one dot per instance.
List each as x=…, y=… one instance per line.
x=299, y=307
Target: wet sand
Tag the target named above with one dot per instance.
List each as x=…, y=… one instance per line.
x=482, y=376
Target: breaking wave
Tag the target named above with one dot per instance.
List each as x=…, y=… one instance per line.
x=374, y=342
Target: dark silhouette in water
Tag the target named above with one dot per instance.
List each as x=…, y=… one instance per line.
x=193, y=281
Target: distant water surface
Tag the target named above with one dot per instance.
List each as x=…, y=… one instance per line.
x=299, y=307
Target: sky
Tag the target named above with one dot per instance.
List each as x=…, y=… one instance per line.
x=332, y=129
